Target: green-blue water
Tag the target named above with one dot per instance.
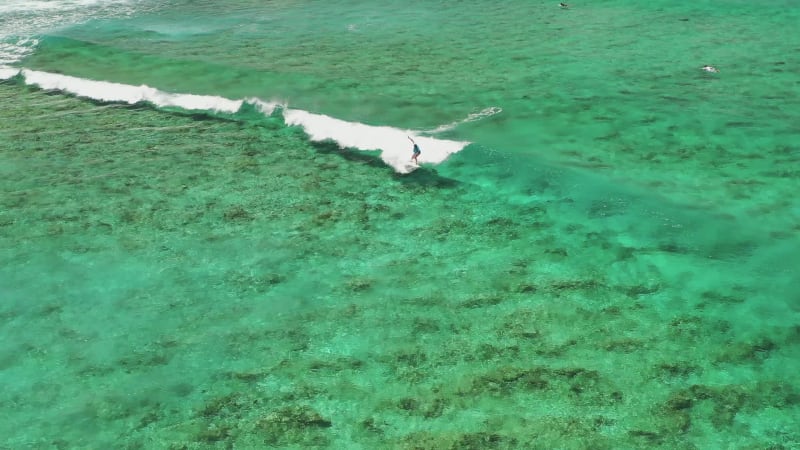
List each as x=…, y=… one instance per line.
x=611, y=263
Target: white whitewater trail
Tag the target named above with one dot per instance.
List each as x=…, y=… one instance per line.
x=473, y=117
x=391, y=142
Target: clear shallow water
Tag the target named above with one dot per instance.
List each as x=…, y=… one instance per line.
x=612, y=261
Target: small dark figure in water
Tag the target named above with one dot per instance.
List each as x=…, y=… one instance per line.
x=416, y=150
x=563, y=5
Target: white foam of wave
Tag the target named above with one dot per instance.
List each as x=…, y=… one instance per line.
x=8, y=72
x=266, y=108
x=117, y=92
x=22, y=20
x=392, y=142
x=482, y=114
x=47, y=5
x=11, y=52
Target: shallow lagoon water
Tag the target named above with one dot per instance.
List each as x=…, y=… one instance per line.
x=189, y=279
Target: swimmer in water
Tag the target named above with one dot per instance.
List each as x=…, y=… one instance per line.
x=710, y=69
x=563, y=5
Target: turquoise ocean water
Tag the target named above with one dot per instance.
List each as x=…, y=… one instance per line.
x=211, y=234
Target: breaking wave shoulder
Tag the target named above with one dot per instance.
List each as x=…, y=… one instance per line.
x=395, y=150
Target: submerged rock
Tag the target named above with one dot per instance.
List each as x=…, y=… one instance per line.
x=296, y=424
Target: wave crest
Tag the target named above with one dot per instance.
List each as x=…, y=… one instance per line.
x=392, y=142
